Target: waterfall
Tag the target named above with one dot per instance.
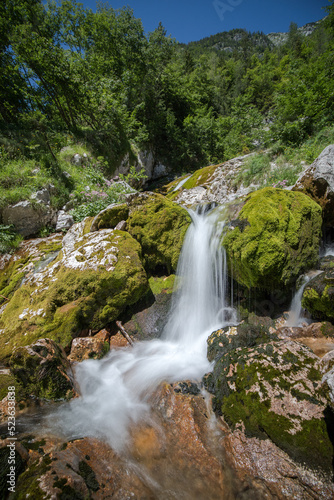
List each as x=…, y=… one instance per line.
x=296, y=317
x=115, y=390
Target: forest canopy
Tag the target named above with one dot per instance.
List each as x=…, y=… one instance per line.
x=100, y=78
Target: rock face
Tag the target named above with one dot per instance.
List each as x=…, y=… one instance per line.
x=318, y=296
x=159, y=225
x=273, y=239
x=263, y=471
x=42, y=370
x=64, y=221
x=93, y=279
x=29, y=217
x=110, y=216
x=318, y=182
x=88, y=348
x=274, y=391
x=210, y=184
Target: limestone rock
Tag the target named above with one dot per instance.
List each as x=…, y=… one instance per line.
x=274, y=391
x=318, y=182
x=88, y=348
x=266, y=472
x=28, y=218
x=64, y=221
x=93, y=279
x=274, y=238
x=43, y=370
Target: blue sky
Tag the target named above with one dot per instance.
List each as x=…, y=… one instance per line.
x=189, y=20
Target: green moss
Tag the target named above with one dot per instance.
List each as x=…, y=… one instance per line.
x=28, y=483
x=246, y=382
x=159, y=225
x=163, y=284
x=5, y=382
x=76, y=300
x=110, y=217
x=88, y=475
x=278, y=241
x=318, y=298
x=200, y=177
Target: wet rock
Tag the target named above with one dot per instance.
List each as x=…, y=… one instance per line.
x=88, y=348
x=84, y=468
x=318, y=296
x=280, y=242
x=42, y=370
x=261, y=470
x=117, y=341
x=274, y=391
x=151, y=318
x=254, y=331
x=318, y=182
x=316, y=336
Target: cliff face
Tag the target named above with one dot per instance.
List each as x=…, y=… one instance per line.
x=278, y=39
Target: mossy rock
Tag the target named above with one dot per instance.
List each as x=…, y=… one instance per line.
x=42, y=370
x=110, y=217
x=201, y=177
x=274, y=239
x=31, y=256
x=318, y=296
x=254, y=332
x=274, y=391
x=162, y=284
x=94, y=278
x=159, y=225
x=8, y=380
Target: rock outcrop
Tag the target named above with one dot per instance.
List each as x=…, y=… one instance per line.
x=274, y=390
x=273, y=238
x=318, y=182
x=318, y=296
x=30, y=216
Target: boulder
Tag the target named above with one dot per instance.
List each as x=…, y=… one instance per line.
x=318, y=296
x=88, y=348
x=274, y=391
x=274, y=238
x=318, y=182
x=159, y=225
x=64, y=221
x=93, y=279
x=110, y=217
x=30, y=217
x=42, y=370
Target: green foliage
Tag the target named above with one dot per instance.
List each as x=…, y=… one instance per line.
x=9, y=239
x=134, y=177
x=95, y=201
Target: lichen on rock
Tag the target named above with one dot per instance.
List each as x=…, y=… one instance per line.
x=94, y=278
x=274, y=239
x=274, y=391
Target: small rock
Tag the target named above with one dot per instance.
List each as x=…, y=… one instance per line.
x=64, y=221
x=88, y=348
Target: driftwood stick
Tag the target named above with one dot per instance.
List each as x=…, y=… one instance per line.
x=123, y=332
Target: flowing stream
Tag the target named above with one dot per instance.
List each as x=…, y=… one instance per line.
x=296, y=317
x=115, y=390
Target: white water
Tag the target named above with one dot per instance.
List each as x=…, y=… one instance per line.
x=296, y=317
x=114, y=391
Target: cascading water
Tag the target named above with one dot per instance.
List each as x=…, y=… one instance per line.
x=296, y=317
x=114, y=391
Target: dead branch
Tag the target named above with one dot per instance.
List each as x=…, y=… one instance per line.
x=124, y=332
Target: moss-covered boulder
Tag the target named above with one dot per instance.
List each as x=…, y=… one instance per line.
x=247, y=334
x=274, y=239
x=159, y=225
x=274, y=391
x=93, y=279
x=110, y=216
x=318, y=296
x=42, y=370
